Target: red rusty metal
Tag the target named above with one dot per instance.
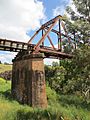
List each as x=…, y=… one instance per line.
x=42, y=35
x=16, y=46
x=43, y=49
x=55, y=53
x=33, y=36
x=45, y=35
x=43, y=26
x=59, y=37
x=49, y=27
x=51, y=21
x=57, y=32
x=50, y=41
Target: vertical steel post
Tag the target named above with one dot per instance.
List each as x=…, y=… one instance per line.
x=42, y=36
x=45, y=35
x=59, y=37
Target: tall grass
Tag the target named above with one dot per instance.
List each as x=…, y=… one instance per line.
x=60, y=107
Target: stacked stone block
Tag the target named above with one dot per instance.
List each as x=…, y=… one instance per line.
x=28, y=80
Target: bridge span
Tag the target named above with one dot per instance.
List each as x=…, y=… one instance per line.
x=28, y=76
x=15, y=46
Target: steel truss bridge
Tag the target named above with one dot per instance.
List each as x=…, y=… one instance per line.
x=45, y=29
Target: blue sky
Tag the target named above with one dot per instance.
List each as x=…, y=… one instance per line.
x=19, y=17
x=51, y=5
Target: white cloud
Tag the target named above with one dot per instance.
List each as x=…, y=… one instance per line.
x=19, y=16
x=60, y=10
x=49, y=61
x=6, y=56
x=16, y=18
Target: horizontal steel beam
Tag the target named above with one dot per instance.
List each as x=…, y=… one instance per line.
x=54, y=53
x=50, y=21
x=9, y=45
x=57, y=32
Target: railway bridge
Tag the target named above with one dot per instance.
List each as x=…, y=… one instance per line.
x=28, y=76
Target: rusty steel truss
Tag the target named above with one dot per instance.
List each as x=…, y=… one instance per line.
x=9, y=45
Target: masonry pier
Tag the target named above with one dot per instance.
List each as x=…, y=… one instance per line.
x=28, y=80
x=28, y=77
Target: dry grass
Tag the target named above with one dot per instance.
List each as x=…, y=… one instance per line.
x=4, y=67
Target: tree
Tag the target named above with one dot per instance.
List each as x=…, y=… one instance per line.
x=55, y=76
x=78, y=75
x=80, y=20
x=83, y=7
x=77, y=78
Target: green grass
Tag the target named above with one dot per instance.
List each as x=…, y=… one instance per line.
x=60, y=107
x=4, y=67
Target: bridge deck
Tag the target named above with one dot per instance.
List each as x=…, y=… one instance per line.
x=15, y=46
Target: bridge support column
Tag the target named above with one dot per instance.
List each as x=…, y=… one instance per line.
x=28, y=80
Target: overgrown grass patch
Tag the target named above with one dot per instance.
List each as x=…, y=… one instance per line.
x=60, y=107
x=72, y=100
